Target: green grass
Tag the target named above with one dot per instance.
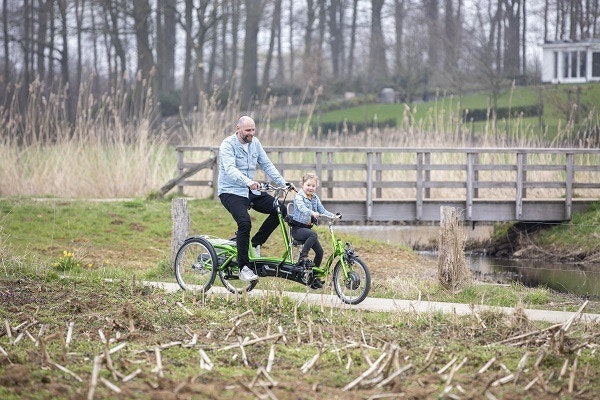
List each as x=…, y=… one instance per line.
x=445, y=110
x=132, y=238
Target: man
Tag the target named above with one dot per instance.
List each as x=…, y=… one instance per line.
x=238, y=156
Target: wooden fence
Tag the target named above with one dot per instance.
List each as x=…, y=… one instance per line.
x=410, y=184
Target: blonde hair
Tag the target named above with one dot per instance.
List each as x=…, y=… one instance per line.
x=309, y=175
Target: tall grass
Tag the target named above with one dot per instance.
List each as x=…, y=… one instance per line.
x=116, y=146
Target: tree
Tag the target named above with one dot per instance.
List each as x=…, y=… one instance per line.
x=249, y=84
x=377, y=58
x=141, y=14
x=165, y=44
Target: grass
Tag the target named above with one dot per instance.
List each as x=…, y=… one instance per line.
x=132, y=238
x=560, y=120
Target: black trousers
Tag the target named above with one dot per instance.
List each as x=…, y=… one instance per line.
x=238, y=208
x=311, y=241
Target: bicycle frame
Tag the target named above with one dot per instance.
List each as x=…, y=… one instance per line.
x=344, y=253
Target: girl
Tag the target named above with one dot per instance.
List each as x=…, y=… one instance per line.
x=307, y=209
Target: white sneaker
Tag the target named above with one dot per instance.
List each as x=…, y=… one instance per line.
x=257, y=251
x=247, y=275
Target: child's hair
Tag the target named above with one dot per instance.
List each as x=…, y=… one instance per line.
x=309, y=175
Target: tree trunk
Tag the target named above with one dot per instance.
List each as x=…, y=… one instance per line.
x=352, y=39
x=512, y=41
x=275, y=23
x=249, y=85
x=6, y=43
x=186, y=88
x=377, y=60
x=145, y=59
x=41, y=37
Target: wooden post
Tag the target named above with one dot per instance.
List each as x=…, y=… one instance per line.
x=453, y=272
x=181, y=224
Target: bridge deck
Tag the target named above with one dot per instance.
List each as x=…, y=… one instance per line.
x=411, y=184
x=483, y=210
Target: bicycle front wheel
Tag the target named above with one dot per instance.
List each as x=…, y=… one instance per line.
x=354, y=288
x=196, y=264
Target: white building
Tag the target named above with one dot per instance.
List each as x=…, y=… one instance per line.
x=571, y=62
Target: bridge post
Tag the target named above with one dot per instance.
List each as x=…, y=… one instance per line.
x=369, y=196
x=569, y=185
x=521, y=157
x=419, y=210
x=470, y=185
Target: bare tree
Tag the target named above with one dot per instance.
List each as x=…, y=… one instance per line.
x=512, y=39
x=249, y=85
x=377, y=59
x=336, y=35
x=165, y=44
x=274, y=34
x=400, y=14
x=6, y=42
x=351, y=56
x=141, y=15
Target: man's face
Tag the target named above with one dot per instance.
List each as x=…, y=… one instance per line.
x=246, y=132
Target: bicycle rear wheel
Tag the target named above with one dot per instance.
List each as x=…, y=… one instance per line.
x=355, y=287
x=232, y=282
x=196, y=264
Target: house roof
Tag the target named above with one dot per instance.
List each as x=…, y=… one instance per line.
x=573, y=44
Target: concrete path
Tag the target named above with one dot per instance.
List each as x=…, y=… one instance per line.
x=394, y=305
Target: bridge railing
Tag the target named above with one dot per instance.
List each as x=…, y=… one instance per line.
x=466, y=175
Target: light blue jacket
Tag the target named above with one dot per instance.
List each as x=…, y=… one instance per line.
x=237, y=167
x=303, y=207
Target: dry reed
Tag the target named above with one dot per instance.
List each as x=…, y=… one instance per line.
x=114, y=148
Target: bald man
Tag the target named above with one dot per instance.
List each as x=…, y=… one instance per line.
x=238, y=156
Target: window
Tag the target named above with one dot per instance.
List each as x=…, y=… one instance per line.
x=596, y=64
x=573, y=64
x=565, y=64
x=555, y=58
x=582, y=64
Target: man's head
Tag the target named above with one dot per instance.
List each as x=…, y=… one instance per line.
x=245, y=129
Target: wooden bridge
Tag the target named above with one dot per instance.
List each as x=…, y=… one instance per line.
x=386, y=185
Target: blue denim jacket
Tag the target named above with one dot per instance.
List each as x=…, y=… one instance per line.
x=303, y=207
x=237, y=167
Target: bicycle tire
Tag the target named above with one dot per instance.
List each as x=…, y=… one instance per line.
x=196, y=264
x=356, y=288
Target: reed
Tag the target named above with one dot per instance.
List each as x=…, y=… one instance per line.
x=115, y=145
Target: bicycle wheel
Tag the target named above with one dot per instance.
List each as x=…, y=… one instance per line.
x=196, y=264
x=232, y=282
x=354, y=288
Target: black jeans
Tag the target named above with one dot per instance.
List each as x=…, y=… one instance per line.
x=311, y=241
x=238, y=208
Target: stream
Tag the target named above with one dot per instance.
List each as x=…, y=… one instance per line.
x=565, y=278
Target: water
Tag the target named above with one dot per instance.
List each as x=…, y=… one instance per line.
x=565, y=278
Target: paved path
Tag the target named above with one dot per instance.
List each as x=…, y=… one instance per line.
x=377, y=304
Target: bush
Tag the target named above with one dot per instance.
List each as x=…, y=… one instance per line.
x=481, y=114
x=352, y=127
x=169, y=103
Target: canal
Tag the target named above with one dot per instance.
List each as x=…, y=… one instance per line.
x=565, y=278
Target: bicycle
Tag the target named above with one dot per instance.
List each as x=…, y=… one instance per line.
x=200, y=258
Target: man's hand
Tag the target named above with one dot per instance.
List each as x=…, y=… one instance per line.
x=253, y=185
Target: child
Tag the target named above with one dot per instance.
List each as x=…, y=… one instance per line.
x=307, y=209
